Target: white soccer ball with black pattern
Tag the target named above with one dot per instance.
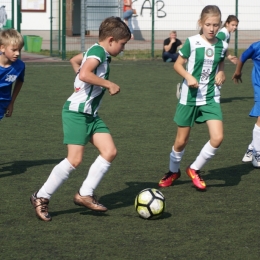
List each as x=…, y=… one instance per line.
x=150, y=203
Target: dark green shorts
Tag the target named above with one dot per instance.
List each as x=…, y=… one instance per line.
x=186, y=115
x=78, y=128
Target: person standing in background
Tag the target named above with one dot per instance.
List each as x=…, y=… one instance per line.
x=127, y=15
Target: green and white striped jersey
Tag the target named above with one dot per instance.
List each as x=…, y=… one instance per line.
x=223, y=35
x=203, y=61
x=86, y=97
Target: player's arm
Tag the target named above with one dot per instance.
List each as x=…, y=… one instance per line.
x=17, y=87
x=231, y=58
x=178, y=67
x=220, y=76
x=86, y=74
x=76, y=62
x=237, y=76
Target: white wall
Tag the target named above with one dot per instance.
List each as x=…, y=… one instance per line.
x=169, y=14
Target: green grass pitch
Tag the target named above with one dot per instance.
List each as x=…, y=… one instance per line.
x=221, y=223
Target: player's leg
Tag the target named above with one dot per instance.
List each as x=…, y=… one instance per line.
x=212, y=115
x=256, y=144
x=74, y=128
x=175, y=157
x=255, y=112
x=105, y=144
x=184, y=119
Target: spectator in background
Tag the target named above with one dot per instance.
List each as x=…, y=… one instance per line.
x=170, y=47
x=127, y=15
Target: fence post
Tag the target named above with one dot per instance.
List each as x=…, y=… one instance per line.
x=152, y=41
x=63, y=54
x=236, y=33
x=82, y=25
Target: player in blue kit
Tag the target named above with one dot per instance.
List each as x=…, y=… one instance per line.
x=11, y=70
x=253, y=52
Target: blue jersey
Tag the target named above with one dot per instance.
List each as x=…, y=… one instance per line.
x=253, y=52
x=7, y=77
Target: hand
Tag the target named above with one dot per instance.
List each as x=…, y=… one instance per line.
x=220, y=78
x=192, y=82
x=173, y=40
x=237, y=77
x=233, y=59
x=9, y=110
x=113, y=89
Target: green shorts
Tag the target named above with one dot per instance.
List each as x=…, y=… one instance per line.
x=186, y=115
x=78, y=128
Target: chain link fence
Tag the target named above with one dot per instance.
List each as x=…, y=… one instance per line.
x=73, y=24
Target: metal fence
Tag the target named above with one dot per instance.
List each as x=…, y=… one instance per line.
x=75, y=23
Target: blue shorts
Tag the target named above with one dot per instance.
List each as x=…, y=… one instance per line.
x=255, y=112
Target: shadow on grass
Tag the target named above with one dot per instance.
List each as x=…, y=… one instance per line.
x=19, y=167
x=115, y=200
x=230, y=175
x=228, y=100
x=126, y=197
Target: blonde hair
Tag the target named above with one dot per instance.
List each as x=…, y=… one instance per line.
x=11, y=37
x=207, y=11
x=115, y=27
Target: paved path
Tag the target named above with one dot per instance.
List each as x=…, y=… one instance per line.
x=31, y=57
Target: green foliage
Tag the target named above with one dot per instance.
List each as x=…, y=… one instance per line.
x=221, y=223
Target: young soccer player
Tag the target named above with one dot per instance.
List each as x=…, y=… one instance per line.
x=11, y=70
x=224, y=34
x=253, y=52
x=81, y=123
x=200, y=95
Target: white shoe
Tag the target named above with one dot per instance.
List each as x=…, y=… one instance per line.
x=248, y=156
x=256, y=160
x=178, y=91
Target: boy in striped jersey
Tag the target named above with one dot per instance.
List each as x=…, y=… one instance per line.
x=81, y=123
x=200, y=95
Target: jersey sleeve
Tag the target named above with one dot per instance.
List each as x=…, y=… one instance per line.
x=96, y=52
x=221, y=36
x=185, y=49
x=247, y=54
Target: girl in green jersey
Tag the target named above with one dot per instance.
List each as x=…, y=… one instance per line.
x=203, y=55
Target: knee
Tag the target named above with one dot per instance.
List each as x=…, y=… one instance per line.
x=75, y=161
x=109, y=154
x=180, y=144
x=216, y=140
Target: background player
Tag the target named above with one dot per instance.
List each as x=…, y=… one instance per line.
x=253, y=52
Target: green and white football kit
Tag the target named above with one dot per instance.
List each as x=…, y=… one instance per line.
x=224, y=35
x=80, y=110
x=203, y=61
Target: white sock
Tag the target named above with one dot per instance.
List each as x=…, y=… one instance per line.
x=175, y=159
x=251, y=146
x=96, y=172
x=206, y=153
x=256, y=139
x=59, y=174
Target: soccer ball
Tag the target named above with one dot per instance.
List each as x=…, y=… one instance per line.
x=150, y=203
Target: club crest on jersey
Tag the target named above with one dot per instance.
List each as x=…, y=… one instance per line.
x=209, y=52
x=11, y=78
x=76, y=90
